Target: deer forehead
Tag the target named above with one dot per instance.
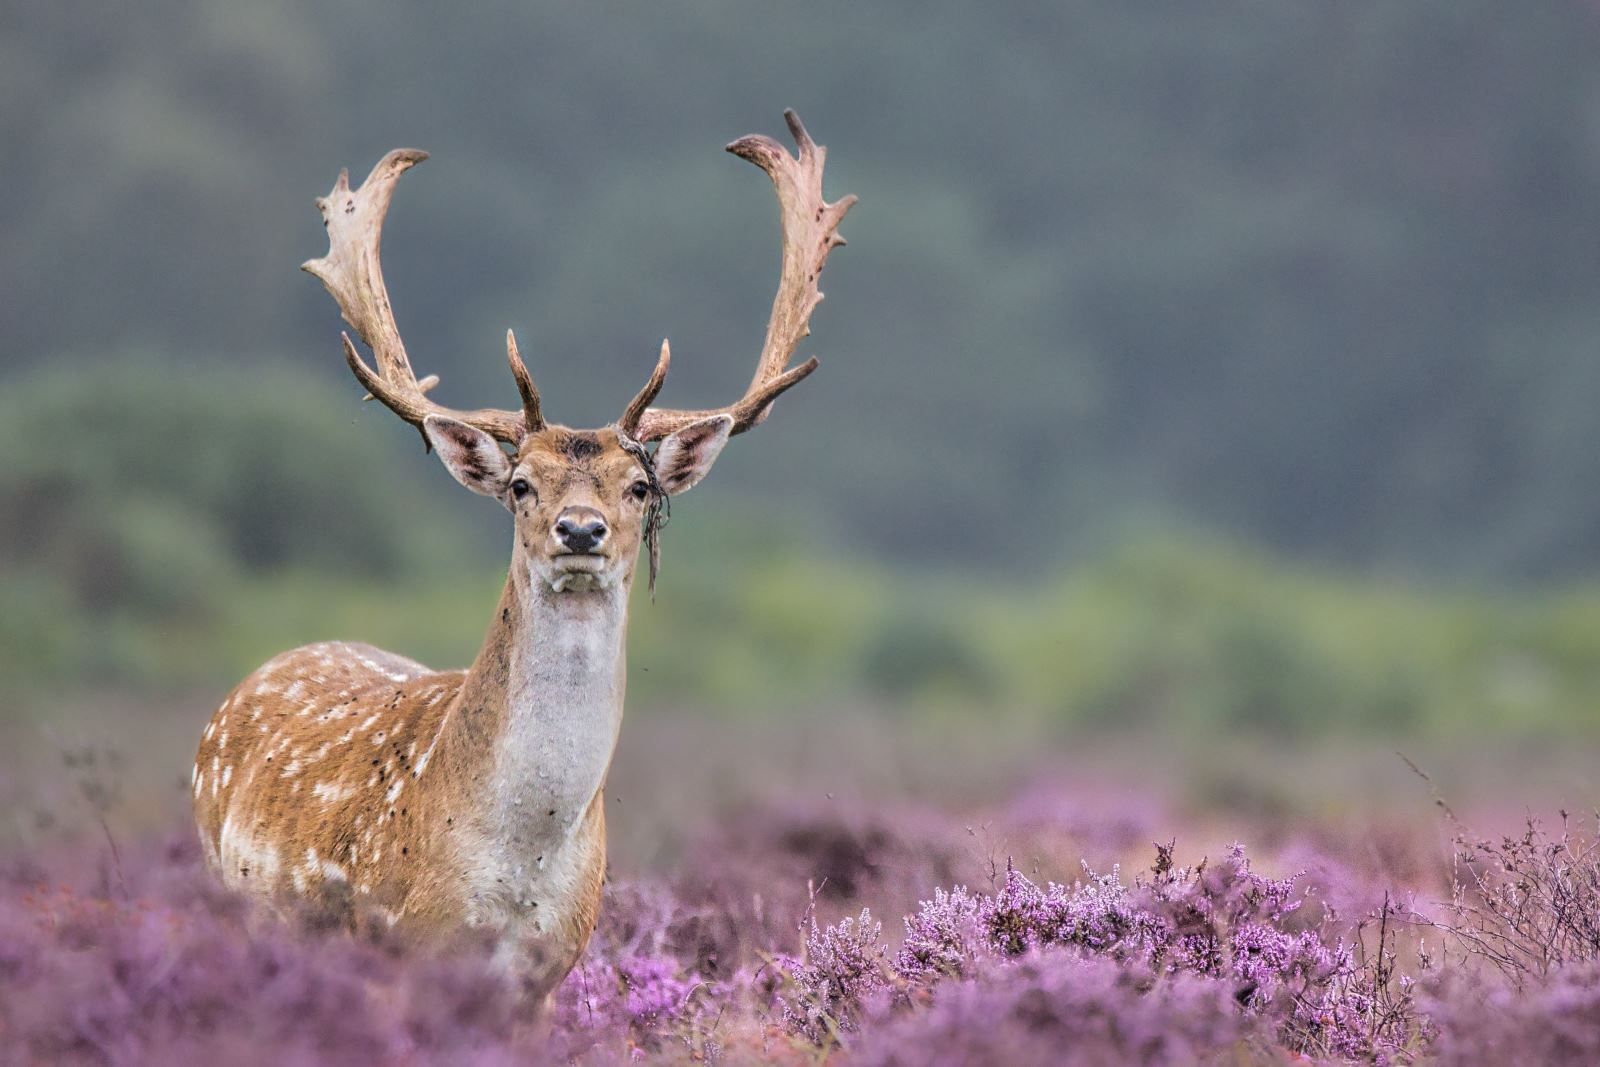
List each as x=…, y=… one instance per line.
x=559, y=459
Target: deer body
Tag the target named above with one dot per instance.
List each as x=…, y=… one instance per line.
x=361, y=780
x=365, y=782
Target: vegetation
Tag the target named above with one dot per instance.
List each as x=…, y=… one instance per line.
x=1320, y=276
x=137, y=956
x=292, y=524
x=142, y=498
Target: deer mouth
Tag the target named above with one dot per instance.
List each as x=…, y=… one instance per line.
x=579, y=561
x=578, y=572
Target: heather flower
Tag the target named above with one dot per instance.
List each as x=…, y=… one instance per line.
x=1222, y=923
x=942, y=939
x=845, y=968
x=640, y=995
x=1099, y=916
x=1015, y=918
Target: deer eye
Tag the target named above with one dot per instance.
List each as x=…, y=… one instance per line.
x=520, y=487
x=640, y=490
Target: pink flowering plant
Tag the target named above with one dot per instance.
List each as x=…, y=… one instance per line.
x=133, y=957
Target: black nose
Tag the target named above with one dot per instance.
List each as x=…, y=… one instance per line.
x=581, y=529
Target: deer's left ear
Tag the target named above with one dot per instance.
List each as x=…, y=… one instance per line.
x=684, y=457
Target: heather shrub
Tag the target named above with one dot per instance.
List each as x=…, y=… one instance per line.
x=134, y=957
x=1527, y=905
x=1051, y=1008
x=1482, y=1021
x=845, y=968
x=1246, y=933
x=651, y=980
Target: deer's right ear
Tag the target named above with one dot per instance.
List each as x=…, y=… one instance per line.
x=472, y=457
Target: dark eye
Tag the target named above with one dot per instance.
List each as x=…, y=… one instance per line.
x=520, y=487
x=640, y=490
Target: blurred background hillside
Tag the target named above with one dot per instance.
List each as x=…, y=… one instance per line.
x=1222, y=372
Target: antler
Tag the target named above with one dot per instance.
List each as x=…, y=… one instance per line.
x=354, y=276
x=810, y=232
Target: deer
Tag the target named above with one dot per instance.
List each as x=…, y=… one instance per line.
x=351, y=779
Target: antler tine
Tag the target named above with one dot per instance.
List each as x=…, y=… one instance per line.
x=353, y=275
x=629, y=423
x=530, y=395
x=810, y=232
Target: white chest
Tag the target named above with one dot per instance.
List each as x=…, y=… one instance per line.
x=531, y=858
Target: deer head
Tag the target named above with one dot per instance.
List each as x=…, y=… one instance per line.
x=583, y=500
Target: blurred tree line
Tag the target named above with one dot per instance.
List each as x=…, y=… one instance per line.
x=1322, y=276
x=178, y=523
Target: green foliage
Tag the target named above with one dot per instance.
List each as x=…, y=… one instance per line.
x=1188, y=641
x=172, y=526
x=139, y=495
x=1318, y=275
x=112, y=460
x=1215, y=640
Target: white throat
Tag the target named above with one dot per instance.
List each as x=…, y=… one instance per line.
x=564, y=711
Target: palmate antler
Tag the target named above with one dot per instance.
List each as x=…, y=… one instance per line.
x=354, y=276
x=352, y=273
x=810, y=232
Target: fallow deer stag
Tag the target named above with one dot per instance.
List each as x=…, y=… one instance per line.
x=368, y=783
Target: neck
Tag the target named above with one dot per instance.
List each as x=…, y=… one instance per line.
x=540, y=711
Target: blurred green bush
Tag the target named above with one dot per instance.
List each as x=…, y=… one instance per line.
x=140, y=498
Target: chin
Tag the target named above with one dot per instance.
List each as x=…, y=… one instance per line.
x=582, y=579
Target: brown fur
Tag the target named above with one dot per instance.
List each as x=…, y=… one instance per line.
x=350, y=778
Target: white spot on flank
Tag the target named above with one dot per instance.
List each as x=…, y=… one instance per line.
x=394, y=790
x=241, y=853
x=327, y=868
x=227, y=775
x=330, y=792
